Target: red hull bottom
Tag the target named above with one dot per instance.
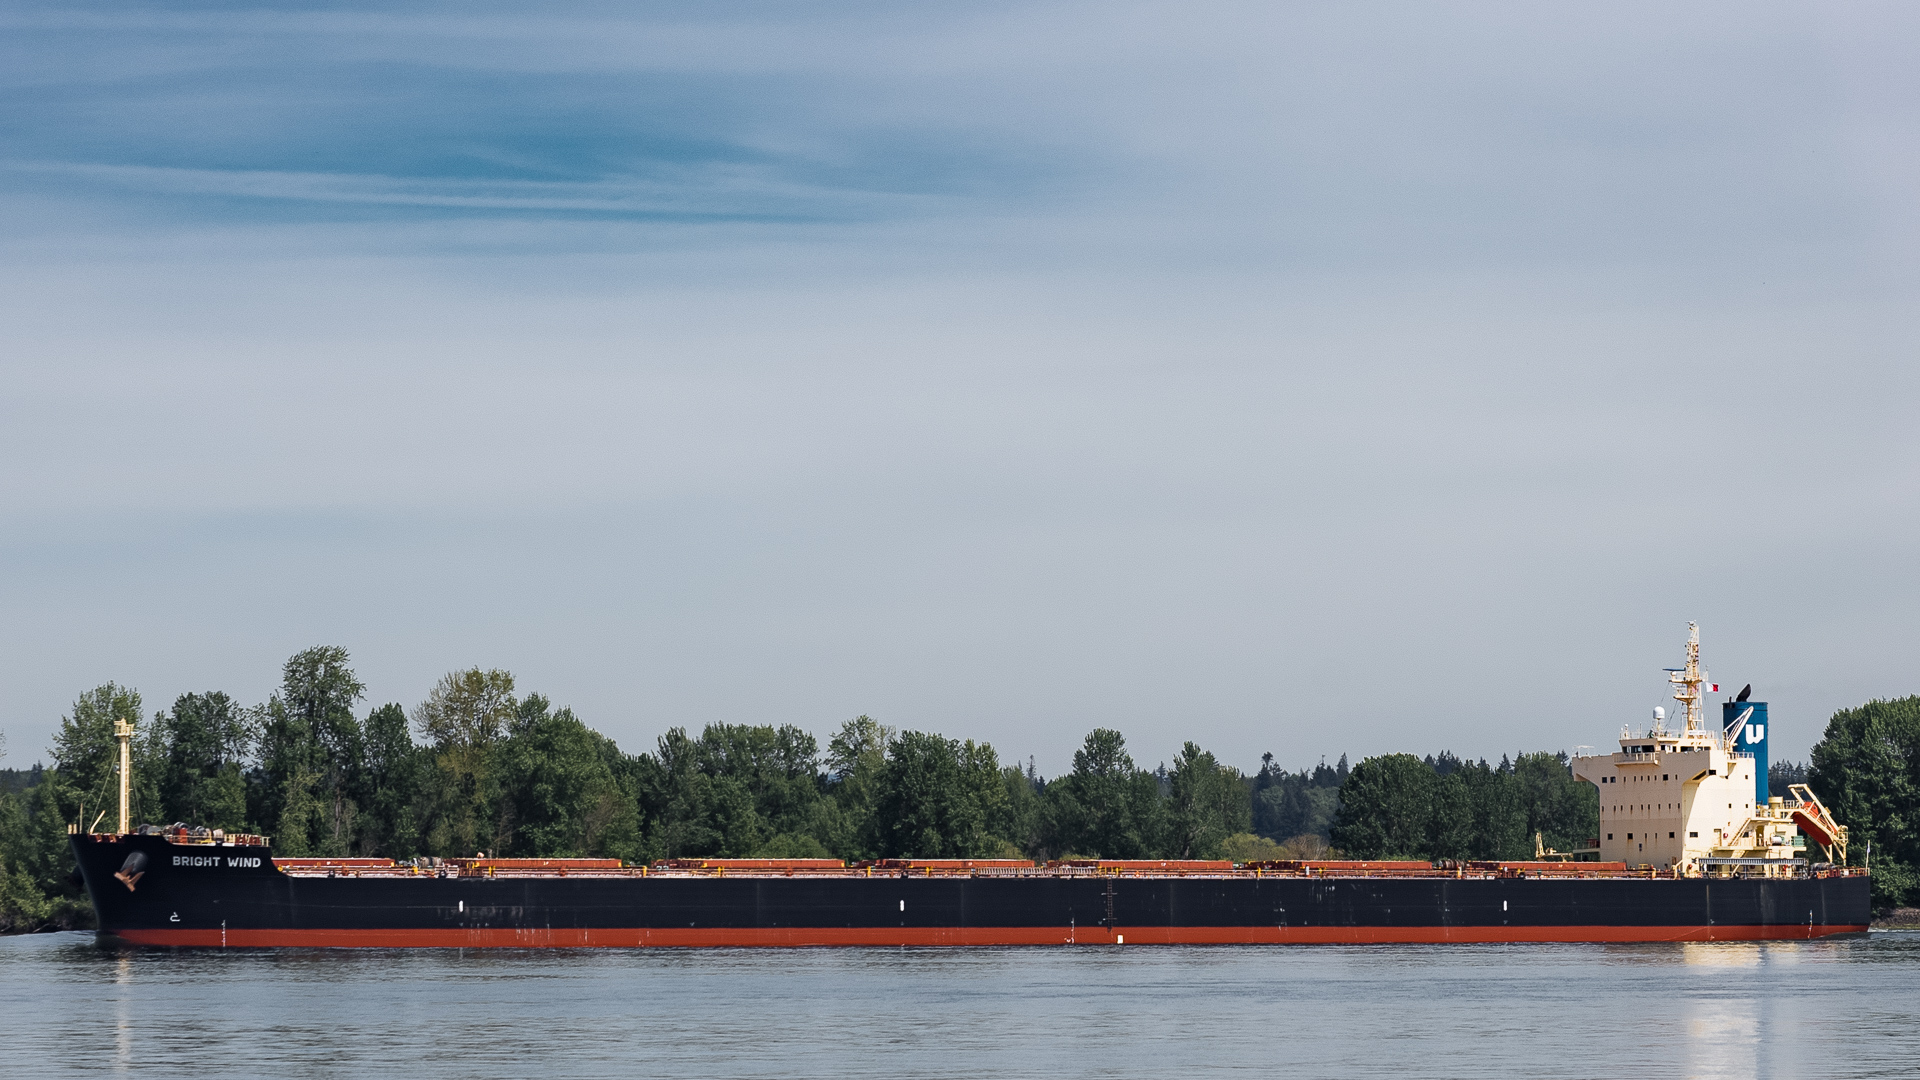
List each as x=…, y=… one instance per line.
x=792, y=937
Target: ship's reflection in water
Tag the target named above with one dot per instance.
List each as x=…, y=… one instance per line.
x=1728, y=954
x=122, y=1012
x=1723, y=1035
x=1835, y=1007
x=1733, y=1031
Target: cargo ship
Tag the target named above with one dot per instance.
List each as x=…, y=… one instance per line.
x=1691, y=848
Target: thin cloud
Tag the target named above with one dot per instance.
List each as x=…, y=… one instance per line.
x=718, y=192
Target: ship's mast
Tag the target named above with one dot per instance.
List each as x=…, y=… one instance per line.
x=1687, y=681
x=123, y=731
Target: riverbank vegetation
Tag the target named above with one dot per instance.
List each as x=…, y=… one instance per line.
x=481, y=766
x=1866, y=768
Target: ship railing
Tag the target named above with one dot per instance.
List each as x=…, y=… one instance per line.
x=321, y=867
x=503, y=869
x=1635, y=758
x=181, y=833
x=191, y=837
x=1731, y=866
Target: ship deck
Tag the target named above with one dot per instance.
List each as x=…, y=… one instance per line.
x=537, y=868
x=984, y=868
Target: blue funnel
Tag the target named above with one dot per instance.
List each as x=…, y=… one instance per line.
x=1750, y=717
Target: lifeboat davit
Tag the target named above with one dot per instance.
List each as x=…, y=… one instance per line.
x=1812, y=826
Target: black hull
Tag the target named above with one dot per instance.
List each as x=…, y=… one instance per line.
x=213, y=903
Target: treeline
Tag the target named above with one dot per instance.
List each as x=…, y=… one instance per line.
x=480, y=767
x=1446, y=808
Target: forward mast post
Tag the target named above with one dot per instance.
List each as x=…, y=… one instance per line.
x=123, y=732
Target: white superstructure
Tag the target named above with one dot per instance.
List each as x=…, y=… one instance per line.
x=1686, y=799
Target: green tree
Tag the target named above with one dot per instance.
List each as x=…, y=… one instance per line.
x=1246, y=847
x=471, y=708
x=1288, y=805
x=390, y=785
x=1026, y=819
x=1386, y=806
x=1107, y=806
x=778, y=767
x=940, y=798
x=1449, y=819
x=1552, y=803
x=1498, y=828
x=690, y=811
x=742, y=789
x=1866, y=768
x=24, y=902
x=464, y=719
x=563, y=781
x=310, y=747
x=1207, y=802
x=203, y=743
x=40, y=861
x=856, y=754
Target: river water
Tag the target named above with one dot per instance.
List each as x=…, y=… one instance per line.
x=1834, y=1008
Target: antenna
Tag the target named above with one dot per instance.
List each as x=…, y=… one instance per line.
x=1687, y=680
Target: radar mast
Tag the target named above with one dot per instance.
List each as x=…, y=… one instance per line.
x=1687, y=682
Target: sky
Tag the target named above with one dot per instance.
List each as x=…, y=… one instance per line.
x=1295, y=378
